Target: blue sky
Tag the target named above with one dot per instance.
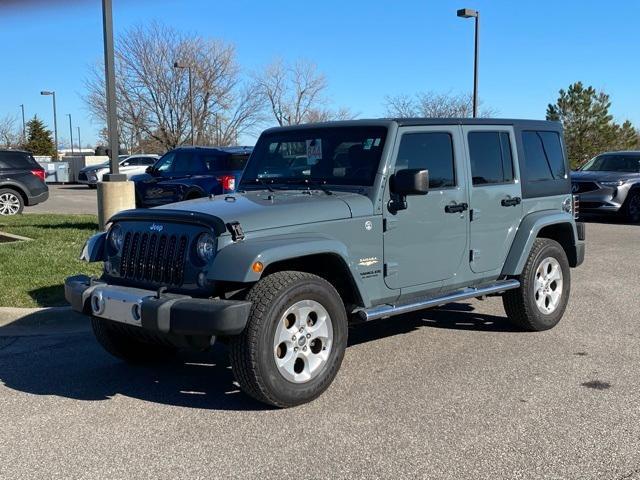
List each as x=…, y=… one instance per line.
x=367, y=49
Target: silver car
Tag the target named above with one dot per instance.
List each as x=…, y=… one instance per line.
x=610, y=183
x=130, y=165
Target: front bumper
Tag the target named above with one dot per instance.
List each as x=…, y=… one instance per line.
x=167, y=313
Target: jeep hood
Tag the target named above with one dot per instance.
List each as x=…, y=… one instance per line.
x=260, y=210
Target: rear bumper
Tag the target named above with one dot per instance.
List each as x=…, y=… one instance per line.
x=169, y=313
x=36, y=199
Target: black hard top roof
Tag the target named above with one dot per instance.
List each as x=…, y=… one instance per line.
x=414, y=122
x=234, y=149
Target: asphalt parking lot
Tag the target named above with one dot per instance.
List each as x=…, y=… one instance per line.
x=68, y=199
x=447, y=394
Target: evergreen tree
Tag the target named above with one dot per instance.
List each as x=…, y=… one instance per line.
x=589, y=128
x=39, y=141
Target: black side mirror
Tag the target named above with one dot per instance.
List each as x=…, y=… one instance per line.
x=410, y=181
x=149, y=170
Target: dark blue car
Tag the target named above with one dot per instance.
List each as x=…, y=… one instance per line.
x=186, y=173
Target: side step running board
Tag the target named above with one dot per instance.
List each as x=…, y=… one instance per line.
x=384, y=311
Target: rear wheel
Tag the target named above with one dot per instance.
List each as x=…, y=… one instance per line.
x=633, y=207
x=116, y=340
x=545, y=284
x=11, y=202
x=294, y=341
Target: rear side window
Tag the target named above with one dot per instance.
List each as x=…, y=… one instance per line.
x=236, y=162
x=543, y=156
x=432, y=151
x=17, y=160
x=490, y=155
x=186, y=162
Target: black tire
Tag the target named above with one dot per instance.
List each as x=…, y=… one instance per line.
x=12, y=198
x=520, y=304
x=119, y=341
x=632, y=207
x=252, y=352
x=92, y=186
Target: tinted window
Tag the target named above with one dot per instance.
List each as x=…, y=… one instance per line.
x=614, y=163
x=186, y=162
x=236, y=162
x=490, y=155
x=336, y=155
x=543, y=156
x=165, y=164
x=144, y=160
x=430, y=151
x=19, y=160
x=211, y=163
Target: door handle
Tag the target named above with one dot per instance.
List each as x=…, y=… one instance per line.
x=510, y=202
x=456, y=207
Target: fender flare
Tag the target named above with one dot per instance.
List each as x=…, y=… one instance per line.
x=233, y=263
x=527, y=233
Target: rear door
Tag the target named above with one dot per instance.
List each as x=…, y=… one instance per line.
x=495, y=197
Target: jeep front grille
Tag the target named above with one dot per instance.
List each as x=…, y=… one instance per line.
x=154, y=258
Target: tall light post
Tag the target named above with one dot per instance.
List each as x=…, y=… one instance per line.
x=70, y=132
x=469, y=13
x=55, y=117
x=188, y=67
x=115, y=193
x=24, y=129
x=79, y=142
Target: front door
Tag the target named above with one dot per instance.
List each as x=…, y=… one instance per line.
x=496, y=207
x=426, y=242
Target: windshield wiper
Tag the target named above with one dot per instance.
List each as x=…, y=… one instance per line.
x=320, y=184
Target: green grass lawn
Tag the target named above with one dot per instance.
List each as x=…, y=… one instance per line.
x=32, y=273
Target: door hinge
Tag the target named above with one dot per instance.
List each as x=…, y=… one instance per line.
x=390, y=269
x=471, y=215
x=389, y=224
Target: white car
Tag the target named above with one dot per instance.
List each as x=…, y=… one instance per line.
x=130, y=165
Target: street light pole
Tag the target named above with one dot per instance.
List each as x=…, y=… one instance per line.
x=112, y=118
x=55, y=118
x=79, y=142
x=188, y=67
x=469, y=13
x=24, y=130
x=70, y=132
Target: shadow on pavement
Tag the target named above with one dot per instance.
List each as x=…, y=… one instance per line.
x=606, y=219
x=73, y=365
x=454, y=316
x=51, y=295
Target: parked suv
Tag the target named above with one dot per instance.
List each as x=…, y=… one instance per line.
x=130, y=165
x=21, y=182
x=610, y=183
x=187, y=173
x=335, y=223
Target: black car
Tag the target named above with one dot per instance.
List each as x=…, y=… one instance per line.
x=21, y=182
x=610, y=183
x=186, y=173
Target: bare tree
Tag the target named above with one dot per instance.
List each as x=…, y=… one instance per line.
x=9, y=135
x=153, y=95
x=433, y=105
x=296, y=93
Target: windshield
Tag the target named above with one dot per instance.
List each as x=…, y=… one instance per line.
x=334, y=155
x=613, y=163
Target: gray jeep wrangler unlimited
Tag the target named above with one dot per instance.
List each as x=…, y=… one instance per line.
x=336, y=223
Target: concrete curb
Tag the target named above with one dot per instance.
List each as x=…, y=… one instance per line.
x=40, y=321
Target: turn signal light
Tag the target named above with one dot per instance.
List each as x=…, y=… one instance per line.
x=257, y=267
x=228, y=182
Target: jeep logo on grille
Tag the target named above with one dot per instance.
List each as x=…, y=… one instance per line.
x=156, y=228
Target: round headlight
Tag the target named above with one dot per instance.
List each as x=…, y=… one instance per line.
x=116, y=237
x=206, y=247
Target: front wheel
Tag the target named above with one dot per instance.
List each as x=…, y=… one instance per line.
x=294, y=341
x=633, y=207
x=545, y=284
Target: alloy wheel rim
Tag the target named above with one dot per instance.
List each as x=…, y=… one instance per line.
x=9, y=204
x=302, y=342
x=548, y=285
